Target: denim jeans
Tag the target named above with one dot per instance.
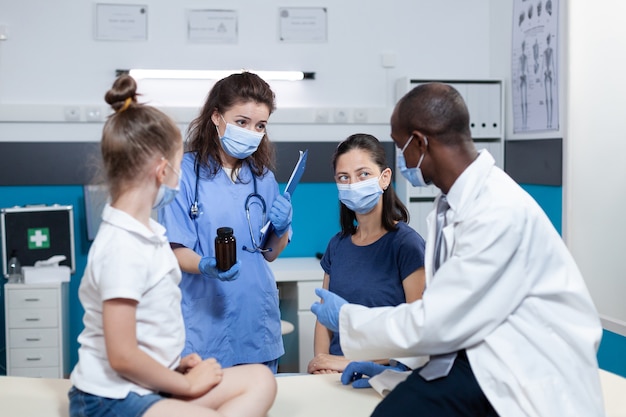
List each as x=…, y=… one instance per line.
x=83, y=404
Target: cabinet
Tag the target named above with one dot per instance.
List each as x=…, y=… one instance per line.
x=37, y=330
x=484, y=100
x=297, y=279
x=306, y=321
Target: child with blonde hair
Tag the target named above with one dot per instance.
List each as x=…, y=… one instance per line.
x=130, y=349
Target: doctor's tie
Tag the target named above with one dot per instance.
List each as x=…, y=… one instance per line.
x=442, y=208
x=439, y=365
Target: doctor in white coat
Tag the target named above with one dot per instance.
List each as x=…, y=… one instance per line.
x=506, y=316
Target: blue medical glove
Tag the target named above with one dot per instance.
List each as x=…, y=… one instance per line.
x=281, y=213
x=355, y=371
x=208, y=267
x=328, y=312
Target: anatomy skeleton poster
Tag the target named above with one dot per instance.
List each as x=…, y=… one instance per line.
x=534, y=66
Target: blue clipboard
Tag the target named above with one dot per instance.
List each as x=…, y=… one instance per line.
x=293, y=182
x=297, y=172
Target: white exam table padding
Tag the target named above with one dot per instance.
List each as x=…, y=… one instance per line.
x=298, y=396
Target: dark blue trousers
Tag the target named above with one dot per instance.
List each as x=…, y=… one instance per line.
x=456, y=395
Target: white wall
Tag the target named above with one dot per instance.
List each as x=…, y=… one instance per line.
x=50, y=60
x=50, y=55
x=595, y=172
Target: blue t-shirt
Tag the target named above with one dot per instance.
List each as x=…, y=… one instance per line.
x=372, y=275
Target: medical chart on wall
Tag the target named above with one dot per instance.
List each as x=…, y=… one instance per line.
x=212, y=26
x=121, y=22
x=534, y=66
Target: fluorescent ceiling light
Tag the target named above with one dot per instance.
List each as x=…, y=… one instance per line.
x=160, y=74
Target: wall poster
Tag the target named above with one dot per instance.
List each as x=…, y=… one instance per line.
x=534, y=66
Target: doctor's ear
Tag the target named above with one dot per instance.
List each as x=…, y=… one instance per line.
x=420, y=138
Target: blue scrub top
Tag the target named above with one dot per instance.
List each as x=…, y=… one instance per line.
x=235, y=321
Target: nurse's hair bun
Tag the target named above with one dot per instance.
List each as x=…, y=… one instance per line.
x=123, y=93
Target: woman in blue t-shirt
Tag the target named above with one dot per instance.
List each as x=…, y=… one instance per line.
x=377, y=259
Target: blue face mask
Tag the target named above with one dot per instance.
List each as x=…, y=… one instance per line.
x=166, y=194
x=360, y=197
x=238, y=142
x=412, y=175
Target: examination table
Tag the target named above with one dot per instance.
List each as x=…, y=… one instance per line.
x=298, y=396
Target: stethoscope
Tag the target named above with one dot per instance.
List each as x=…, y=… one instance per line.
x=194, y=212
x=255, y=198
x=252, y=199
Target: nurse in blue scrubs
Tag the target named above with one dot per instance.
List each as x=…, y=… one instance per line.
x=227, y=181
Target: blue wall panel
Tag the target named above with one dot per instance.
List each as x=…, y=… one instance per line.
x=550, y=198
x=315, y=218
x=612, y=353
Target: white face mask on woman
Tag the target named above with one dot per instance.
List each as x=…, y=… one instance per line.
x=238, y=142
x=362, y=196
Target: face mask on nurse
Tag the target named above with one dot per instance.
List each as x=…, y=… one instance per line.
x=238, y=142
x=362, y=196
x=412, y=175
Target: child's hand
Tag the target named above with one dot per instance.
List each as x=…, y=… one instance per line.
x=188, y=362
x=203, y=377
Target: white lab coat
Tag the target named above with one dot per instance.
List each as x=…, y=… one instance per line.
x=508, y=292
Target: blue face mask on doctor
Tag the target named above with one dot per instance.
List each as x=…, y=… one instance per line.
x=362, y=196
x=412, y=175
x=238, y=142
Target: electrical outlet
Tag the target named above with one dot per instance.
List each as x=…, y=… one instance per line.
x=93, y=114
x=388, y=60
x=340, y=116
x=360, y=115
x=72, y=113
x=321, y=116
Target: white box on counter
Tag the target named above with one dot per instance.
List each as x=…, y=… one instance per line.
x=41, y=274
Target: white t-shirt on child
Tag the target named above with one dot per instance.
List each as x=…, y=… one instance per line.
x=128, y=260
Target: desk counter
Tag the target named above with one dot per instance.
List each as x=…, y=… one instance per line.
x=297, y=269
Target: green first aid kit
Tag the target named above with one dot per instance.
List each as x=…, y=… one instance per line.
x=37, y=233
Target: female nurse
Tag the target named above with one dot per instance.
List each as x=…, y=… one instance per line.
x=227, y=181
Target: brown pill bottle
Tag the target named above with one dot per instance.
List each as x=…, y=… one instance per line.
x=225, y=248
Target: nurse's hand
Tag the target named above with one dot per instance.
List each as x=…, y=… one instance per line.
x=355, y=371
x=281, y=214
x=208, y=267
x=327, y=311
